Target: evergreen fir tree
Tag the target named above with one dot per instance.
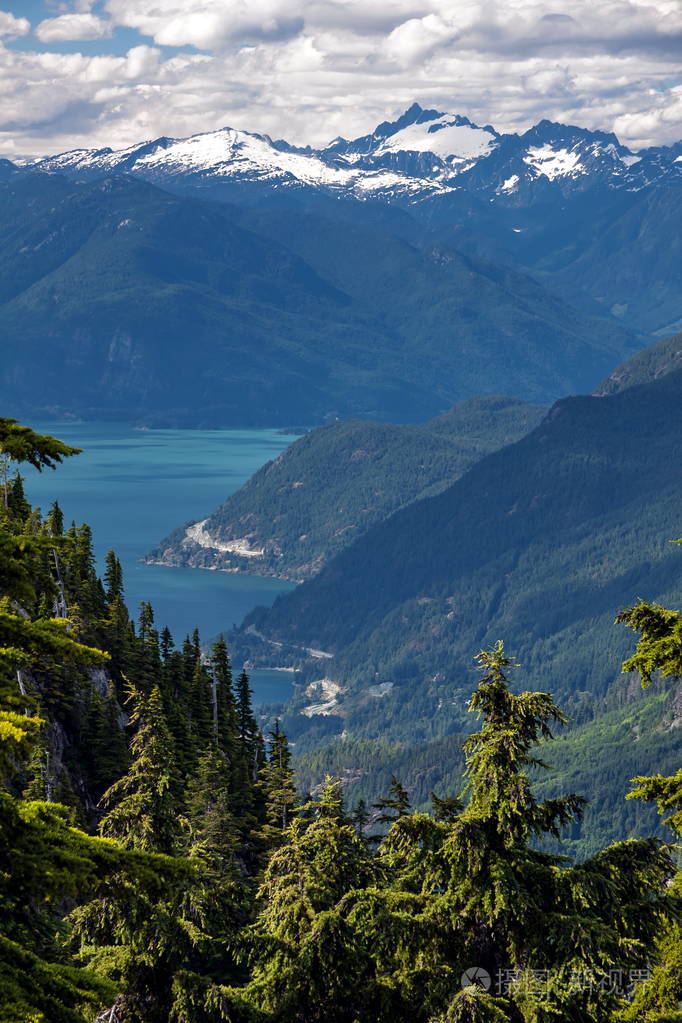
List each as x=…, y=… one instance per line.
x=311, y=963
x=113, y=577
x=104, y=742
x=45, y=862
x=224, y=704
x=279, y=788
x=141, y=810
x=18, y=443
x=166, y=644
x=16, y=498
x=520, y=910
x=201, y=709
x=395, y=805
x=55, y=520
x=216, y=898
x=659, y=650
x=249, y=743
x=124, y=932
x=360, y=817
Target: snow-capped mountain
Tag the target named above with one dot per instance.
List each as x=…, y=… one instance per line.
x=460, y=154
x=236, y=157
x=422, y=154
x=421, y=142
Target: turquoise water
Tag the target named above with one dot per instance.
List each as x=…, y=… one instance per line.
x=134, y=486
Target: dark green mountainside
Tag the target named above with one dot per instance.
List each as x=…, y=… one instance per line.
x=649, y=364
x=542, y=542
x=336, y=482
x=645, y=289
x=630, y=734
x=119, y=300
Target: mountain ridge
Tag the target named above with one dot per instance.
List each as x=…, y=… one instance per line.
x=389, y=162
x=564, y=202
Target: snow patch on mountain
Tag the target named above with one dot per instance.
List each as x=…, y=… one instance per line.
x=442, y=138
x=229, y=154
x=239, y=152
x=554, y=163
x=510, y=184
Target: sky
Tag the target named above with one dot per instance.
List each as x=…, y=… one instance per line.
x=85, y=73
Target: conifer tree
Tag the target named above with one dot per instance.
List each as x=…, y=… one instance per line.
x=224, y=704
x=145, y=660
x=141, y=810
x=395, y=805
x=521, y=911
x=103, y=741
x=201, y=709
x=217, y=895
x=165, y=643
x=123, y=932
x=16, y=500
x=310, y=961
x=18, y=443
x=249, y=748
x=279, y=788
x=360, y=817
x=55, y=520
x=45, y=862
x=659, y=650
x=113, y=577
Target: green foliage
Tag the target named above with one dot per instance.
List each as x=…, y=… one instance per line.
x=395, y=805
x=393, y=933
x=141, y=807
x=22, y=444
x=659, y=649
x=279, y=787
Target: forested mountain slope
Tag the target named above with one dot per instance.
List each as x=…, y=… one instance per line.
x=630, y=734
x=333, y=484
x=541, y=542
x=649, y=364
x=121, y=300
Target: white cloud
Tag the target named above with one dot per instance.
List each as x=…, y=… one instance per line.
x=210, y=24
x=308, y=70
x=73, y=27
x=658, y=119
x=12, y=27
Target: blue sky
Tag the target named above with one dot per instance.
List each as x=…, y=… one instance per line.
x=113, y=72
x=36, y=12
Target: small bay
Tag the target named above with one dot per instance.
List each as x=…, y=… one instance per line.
x=134, y=486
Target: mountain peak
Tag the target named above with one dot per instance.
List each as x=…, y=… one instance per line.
x=413, y=115
x=555, y=131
